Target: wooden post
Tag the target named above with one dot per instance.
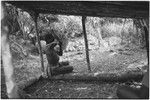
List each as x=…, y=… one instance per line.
x=146, y=30
x=39, y=43
x=86, y=43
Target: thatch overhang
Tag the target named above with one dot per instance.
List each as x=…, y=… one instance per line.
x=122, y=9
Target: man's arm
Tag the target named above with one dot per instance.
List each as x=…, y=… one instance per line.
x=51, y=45
x=60, y=52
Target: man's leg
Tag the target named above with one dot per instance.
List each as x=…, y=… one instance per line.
x=63, y=63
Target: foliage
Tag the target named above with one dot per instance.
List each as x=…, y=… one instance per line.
x=74, y=27
x=48, y=18
x=11, y=18
x=64, y=25
x=70, y=27
x=26, y=23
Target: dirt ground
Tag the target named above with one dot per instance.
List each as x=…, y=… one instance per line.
x=100, y=61
x=72, y=89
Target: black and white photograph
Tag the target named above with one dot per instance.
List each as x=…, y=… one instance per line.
x=74, y=49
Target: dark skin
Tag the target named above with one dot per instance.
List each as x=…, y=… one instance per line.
x=52, y=57
x=51, y=54
x=49, y=38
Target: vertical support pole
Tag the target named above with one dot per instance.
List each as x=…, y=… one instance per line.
x=86, y=43
x=146, y=30
x=39, y=43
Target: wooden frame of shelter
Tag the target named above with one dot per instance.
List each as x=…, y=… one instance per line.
x=123, y=9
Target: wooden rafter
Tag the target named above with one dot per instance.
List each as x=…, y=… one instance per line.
x=125, y=9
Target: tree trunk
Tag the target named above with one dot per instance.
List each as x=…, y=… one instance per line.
x=122, y=30
x=98, y=30
x=124, y=76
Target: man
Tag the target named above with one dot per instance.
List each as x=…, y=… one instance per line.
x=52, y=57
x=53, y=51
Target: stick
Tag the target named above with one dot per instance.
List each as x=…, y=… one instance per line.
x=39, y=43
x=86, y=43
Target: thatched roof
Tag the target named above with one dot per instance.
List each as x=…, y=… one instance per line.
x=129, y=9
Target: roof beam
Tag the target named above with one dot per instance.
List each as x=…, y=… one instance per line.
x=96, y=9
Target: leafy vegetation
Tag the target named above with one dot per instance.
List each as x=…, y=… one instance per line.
x=69, y=28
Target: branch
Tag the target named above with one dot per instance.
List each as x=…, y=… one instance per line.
x=20, y=47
